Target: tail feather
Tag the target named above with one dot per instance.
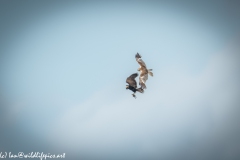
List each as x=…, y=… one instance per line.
x=140, y=90
x=150, y=73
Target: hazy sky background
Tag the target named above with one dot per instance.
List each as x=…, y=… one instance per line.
x=63, y=66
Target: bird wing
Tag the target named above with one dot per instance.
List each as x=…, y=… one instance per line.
x=131, y=80
x=140, y=61
x=142, y=79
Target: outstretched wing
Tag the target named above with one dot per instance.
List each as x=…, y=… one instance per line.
x=140, y=61
x=142, y=80
x=131, y=80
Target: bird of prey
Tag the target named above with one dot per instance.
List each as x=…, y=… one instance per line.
x=132, y=84
x=143, y=71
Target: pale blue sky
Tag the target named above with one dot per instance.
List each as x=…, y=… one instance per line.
x=64, y=66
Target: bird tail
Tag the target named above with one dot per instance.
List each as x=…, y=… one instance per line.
x=150, y=73
x=140, y=90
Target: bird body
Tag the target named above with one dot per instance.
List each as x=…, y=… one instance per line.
x=132, y=84
x=143, y=71
x=132, y=89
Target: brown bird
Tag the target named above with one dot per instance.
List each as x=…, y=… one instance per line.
x=143, y=71
x=133, y=84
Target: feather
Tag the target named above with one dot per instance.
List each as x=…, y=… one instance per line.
x=137, y=56
x=131, y=80
x=142, y=80
x=139, y=60
x=143, y=71
x=150, y=72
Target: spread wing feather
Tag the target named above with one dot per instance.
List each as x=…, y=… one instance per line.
x=140, y=61
x=131, y=80
x=138, y=56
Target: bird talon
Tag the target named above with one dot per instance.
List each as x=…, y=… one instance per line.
x=134, y=96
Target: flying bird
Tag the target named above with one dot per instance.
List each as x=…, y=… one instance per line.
x=132, y=84
x=143, y=71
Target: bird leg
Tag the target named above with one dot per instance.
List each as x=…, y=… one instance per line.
x=133, y=95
